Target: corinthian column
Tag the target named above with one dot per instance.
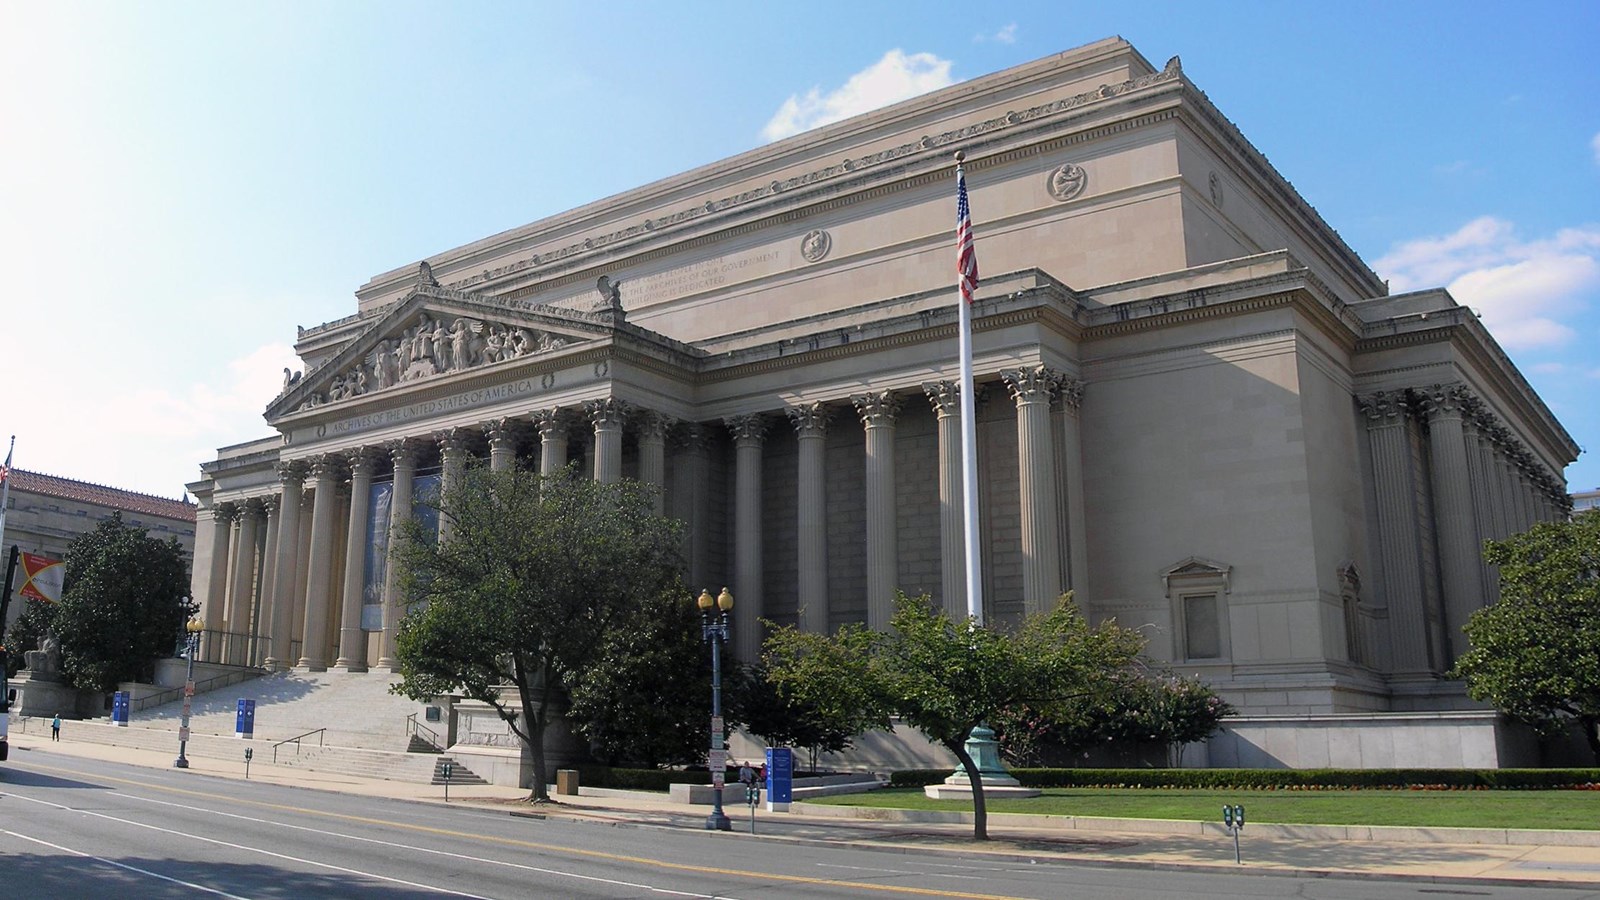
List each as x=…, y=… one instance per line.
x=1480, y=484
x=653, y=454
x=291, y=476
x=946, y=399
x=324, y=508
x=453, y=458
x=811, y=538
x=552, y=425
x=242, y=594
x=1041, y=542
x=607, y=415
x=352, y=642
x=403, y=455
x=1455, y=519
x=749, y=432
x=691, y=498
x=1077, y=520
x=502, y=444
x=877, y=411
x=217, y=585
x=269, y=585
x=1397, y=529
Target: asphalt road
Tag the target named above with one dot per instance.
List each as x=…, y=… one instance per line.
x=72, y=827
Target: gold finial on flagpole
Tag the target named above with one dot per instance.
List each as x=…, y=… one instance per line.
x=961, y=157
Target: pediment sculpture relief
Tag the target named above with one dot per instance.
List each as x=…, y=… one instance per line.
x=430, y=347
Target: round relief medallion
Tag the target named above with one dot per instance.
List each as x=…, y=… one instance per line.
x=1067, y=182
x=815, y=245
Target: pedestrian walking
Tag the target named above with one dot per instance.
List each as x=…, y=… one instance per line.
x=55, y=728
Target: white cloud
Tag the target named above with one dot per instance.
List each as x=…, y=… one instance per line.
x=1006, y=35
x=1522, y=289
x=895, y=77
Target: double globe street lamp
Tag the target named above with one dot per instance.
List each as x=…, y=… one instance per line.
x=714, y=630
x=191, y=649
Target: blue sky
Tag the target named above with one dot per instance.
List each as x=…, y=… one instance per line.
x=181, y=184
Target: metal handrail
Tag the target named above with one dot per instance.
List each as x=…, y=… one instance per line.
x=417, y=729
x=296, y=741
x=200, y=687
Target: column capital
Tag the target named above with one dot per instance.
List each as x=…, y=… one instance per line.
x=361, y=461
x=1444, y=400
x=452, y=442
x=606, y=412
x=691, y=436
x=945, y=397
x=1384, y=407
x=552, y=423
x=501, y=432
x=293, y=470
x=809, y=419
x=402, y=452
x=876, y=408
x=226, y=511
x=1069, y=391
x=651, y=424
x=270, y=504
x=1034, y=384
x=329, y=465
x=251, y=507
x=747, y=429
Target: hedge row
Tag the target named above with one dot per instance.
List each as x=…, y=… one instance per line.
x=639, y=779
x=1521, y=779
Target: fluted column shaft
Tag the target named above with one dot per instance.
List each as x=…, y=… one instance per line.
x=1479, y=485
x=811, y=536
x=324, y=509
x=352, y=641
x=607, y=417
x=1455, y=519
x=945, y=396
x=1031, y=389
x=749, y=433
x=286, y=582
x=1397, y=530
x=453, y=459
x=405, y=469
x=877, y=412
x=261, y=635
x=653, y=455
x=691, y=499
x=552, y=427
x=1077, y=541
x=217, y=585
x=241, y=596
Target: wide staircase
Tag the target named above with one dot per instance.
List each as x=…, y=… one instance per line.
x=339, y=722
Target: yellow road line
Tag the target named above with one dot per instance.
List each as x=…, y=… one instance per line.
x=535, y=845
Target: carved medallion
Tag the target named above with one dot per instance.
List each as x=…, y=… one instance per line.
x=1067, y=182
x=815, y=245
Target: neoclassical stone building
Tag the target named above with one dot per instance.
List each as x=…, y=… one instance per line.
x=1197, y=407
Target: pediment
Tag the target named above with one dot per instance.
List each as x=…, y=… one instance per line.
x=438, y=333
x=1197, y=568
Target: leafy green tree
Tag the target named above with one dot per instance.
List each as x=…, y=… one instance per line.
x=1136, y=704
x=946, y=677
x=36, y=621
x=122, y=607
x=1536, y=653
x=537, y=577
x=646, y=699
x=785, y=720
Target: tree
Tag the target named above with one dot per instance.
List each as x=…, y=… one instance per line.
x=945, y=677
x=537, y=576
x=645, y=699
x=122, y=607
x=785, y=720
x=1136, y=704
x=1536, y=653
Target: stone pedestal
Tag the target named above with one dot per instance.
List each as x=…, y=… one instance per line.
x=44, y=695
x=985, y=751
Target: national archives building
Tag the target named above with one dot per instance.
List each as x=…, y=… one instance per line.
x=1197, y=409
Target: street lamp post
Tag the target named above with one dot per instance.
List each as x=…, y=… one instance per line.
x=191, y=649
x=714, y=630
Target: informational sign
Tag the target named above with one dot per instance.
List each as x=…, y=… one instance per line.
x=780, y=778
x=717, y=760
x=244, y=719
x=716, y=727
x=119, y=708
x=42, y=578
x=718, y=778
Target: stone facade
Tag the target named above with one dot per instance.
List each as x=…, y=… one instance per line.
x=1196, y=406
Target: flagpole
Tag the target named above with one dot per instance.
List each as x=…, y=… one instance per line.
x=965, y=282
x=5, y=492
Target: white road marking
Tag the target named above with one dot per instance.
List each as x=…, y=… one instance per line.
x=112, y=862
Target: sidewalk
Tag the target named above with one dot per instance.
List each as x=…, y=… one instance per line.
x=1552, y=857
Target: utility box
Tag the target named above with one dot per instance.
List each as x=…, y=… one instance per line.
x=567, y=782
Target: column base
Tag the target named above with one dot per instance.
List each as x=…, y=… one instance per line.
x=346, y=665
x=310, y=665
x=388, y=665
x=276, y=665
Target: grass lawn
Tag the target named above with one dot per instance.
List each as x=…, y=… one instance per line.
x=1442, y=809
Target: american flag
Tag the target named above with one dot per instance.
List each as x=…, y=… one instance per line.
x=966, y=255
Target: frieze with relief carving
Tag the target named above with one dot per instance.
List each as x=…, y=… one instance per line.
x=430, y=347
